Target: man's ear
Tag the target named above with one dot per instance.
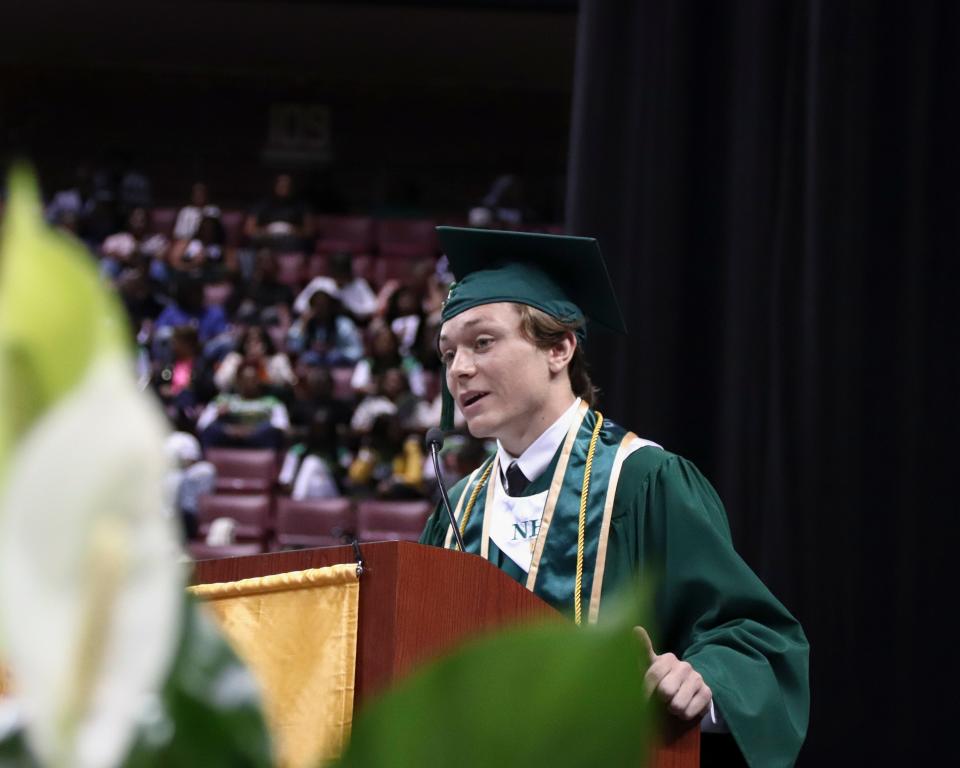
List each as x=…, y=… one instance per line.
x=561, y=353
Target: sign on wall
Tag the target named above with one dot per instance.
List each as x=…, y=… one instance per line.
x=299, y=135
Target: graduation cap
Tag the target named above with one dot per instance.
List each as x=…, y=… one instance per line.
x=561, y=275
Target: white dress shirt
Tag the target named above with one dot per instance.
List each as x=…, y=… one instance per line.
x=540, y=452
x=515, y=520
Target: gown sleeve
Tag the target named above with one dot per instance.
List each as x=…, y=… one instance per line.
x=711, y=609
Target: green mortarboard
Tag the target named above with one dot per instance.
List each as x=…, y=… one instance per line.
x=562, y=275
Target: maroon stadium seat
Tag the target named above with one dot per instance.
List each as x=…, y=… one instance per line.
x=198, y=550
x=291, y=269
x=251, y=512
x=396, y=268
x=364, y=266
x=350, y=234
x=409, y=239
x=232, y=226
x=163, y=220
x=318, y=264
x=391, y=520
x=244, y=470
x=314, y=522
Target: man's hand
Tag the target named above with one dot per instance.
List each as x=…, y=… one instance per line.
x=677, y=684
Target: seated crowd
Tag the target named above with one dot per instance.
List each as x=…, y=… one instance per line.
x=338, y=376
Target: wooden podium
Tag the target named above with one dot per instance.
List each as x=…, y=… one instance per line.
x=416, y=602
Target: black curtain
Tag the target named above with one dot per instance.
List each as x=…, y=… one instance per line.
x=776, y=187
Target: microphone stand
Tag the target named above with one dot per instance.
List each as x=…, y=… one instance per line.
x=434, y=442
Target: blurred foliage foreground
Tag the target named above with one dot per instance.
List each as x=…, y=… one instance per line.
x=112, y=663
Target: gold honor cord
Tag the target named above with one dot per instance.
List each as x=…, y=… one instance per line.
x=582, y=522
x=457, y=513
x=473, y=497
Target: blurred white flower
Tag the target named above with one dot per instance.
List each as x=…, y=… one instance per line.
x=90, y=584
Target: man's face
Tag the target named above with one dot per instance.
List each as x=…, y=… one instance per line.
x=498, y=378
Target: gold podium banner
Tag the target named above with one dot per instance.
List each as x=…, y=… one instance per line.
x=297, y=632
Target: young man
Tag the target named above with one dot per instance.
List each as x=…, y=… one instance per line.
x=248, y=418
x=512, y=347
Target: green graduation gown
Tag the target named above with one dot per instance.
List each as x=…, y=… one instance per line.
x=711, y=609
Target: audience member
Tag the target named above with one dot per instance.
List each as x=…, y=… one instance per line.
x=311, y=468
x=383, y=354
x=183, y=384
x=134, y=245
x=281, y=222
x=139, y=298
x=248, y=418
x=207, y=252
x=355, y=293
x=188, y=478
x=105, y=218
x=135, y=190
x=388, y=465
x=324, y=334
x=392, y=397
x=187, y=308
x=71, y=207
x=405, y=315
x=256, y=348
x=263, y=292
x=190, y=216
x=315, y=390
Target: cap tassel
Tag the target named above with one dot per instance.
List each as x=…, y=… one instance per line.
x=446, y=403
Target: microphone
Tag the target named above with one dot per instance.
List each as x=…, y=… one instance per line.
x=434, y=441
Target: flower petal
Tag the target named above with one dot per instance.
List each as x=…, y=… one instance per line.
x=83, y=536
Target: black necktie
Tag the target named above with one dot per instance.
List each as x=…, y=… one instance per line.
x=516, y=480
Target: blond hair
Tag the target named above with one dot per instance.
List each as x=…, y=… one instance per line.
x=545, y=332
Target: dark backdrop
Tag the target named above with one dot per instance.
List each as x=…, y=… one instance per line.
x=775, y=186
x=428, y=103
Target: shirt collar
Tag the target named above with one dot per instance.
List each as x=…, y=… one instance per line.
x=540, y=452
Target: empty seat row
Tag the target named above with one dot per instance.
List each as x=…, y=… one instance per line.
x=402, y=239
x=311, y=522
x=391, y=238
x=244, y=470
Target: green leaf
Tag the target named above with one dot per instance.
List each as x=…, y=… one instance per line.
x=55, y=314
x=211, y=713
x=14, y=752
x=552, y=695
